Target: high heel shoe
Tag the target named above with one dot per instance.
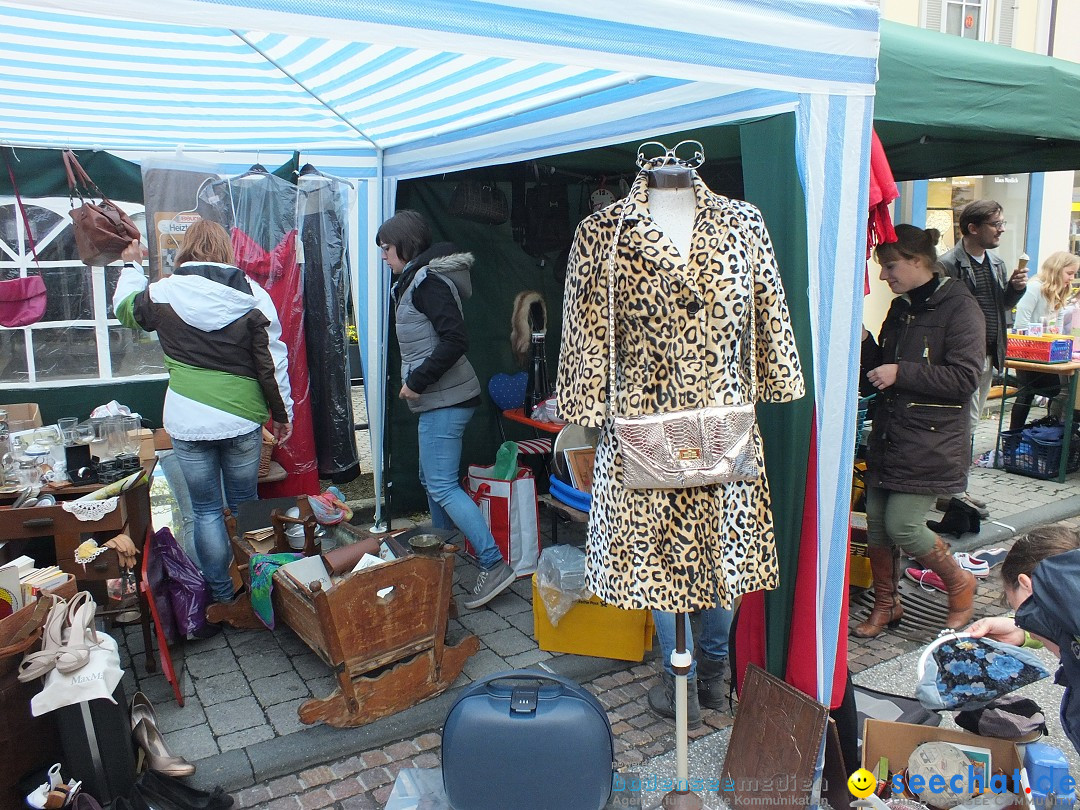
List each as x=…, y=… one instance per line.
x=154, y=785
x=37, y=664
x=141, y=709
x=158, y=756
x=82, y=635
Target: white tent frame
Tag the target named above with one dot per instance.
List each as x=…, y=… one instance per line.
x=250, y=79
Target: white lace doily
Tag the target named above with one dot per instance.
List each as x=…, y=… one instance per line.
x=91, y=510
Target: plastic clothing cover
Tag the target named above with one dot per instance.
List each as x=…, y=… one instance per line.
x=324, y=235
x=171, y=188
x=262, y=213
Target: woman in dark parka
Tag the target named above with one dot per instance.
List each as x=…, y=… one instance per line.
x=925, y=366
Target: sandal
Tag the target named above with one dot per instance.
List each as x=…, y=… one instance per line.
x=54, y=793
x=82, y=634
x=37, y=664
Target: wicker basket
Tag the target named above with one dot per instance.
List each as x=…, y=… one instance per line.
x=268, y=444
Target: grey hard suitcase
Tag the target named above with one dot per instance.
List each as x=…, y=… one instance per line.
x=529, y=740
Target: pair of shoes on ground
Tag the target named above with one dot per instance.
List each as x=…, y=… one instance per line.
x=68, y=636
x=53, y=793
x=708, y=688
x=978, y=564
x=942, y=503
x=489, y=584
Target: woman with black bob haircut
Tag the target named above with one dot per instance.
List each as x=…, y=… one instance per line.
x=438, y=382
x=925, y=366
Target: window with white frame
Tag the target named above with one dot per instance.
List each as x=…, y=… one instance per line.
x=964, y=18
x=79, y=338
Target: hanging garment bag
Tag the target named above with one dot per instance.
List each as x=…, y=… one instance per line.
x=529, y=740
x=510, y=510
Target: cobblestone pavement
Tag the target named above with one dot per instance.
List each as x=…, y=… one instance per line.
x=242, y=688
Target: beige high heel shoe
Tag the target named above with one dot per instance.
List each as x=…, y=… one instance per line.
x=145, y=732
x=158, y=756
x=81, y=636
x=37, y=664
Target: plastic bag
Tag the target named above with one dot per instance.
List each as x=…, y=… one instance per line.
x=560, y=580
x=188, y=592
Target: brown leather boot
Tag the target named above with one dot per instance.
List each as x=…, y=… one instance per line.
x=887, y=608
x=959, y=584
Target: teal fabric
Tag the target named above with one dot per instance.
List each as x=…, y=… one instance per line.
x=262, y=568
x=771, y=182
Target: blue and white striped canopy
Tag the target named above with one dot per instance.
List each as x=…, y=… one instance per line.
x=423, y=83
x=381, y=90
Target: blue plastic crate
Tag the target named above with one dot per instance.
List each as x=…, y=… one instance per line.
x=1029, y=456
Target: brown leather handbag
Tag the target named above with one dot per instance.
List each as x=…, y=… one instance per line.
x=102, y=230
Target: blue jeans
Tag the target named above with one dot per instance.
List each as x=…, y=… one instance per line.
x=206, y=466
x=440, y=434
x=715, y=625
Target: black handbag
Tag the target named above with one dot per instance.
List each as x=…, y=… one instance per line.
x=529, y=740
x=479, y=202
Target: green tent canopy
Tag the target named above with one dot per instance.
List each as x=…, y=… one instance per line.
x=949, y=106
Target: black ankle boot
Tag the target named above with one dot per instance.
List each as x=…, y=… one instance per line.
x=960, y=518
x=662, y=699
x=711, y=682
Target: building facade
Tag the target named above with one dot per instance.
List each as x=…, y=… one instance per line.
x=1043, y=208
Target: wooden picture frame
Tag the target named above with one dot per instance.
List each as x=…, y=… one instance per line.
x=579, y=465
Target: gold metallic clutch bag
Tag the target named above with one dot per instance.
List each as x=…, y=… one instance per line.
x=688, y=448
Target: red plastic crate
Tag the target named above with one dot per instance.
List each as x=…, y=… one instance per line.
x=1040, y=348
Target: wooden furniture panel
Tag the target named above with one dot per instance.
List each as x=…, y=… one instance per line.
x=131, y=516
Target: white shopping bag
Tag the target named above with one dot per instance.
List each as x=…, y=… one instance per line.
x=511, y=513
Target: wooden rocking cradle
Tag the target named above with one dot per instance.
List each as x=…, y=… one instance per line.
x=382, y=630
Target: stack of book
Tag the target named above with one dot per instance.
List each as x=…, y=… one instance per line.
x=21, y=582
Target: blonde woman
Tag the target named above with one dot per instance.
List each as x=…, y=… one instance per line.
x=1045, y=298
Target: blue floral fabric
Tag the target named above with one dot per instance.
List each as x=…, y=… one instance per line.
x=967, y=673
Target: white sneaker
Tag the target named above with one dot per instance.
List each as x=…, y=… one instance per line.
x=968, y=562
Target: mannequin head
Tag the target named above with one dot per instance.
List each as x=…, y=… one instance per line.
x=911, y=260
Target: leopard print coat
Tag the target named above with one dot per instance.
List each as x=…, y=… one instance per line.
x=679, y=327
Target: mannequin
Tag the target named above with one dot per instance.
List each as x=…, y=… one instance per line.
x=672, y=210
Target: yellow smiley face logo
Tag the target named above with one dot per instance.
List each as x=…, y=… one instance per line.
x=861, y=783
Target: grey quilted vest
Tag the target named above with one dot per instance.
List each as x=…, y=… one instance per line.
x=417, y=339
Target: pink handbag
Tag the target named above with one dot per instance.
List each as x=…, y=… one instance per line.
x=22, y=301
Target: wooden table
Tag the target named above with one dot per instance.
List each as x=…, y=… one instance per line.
x=131, y=517
x=1064, y=369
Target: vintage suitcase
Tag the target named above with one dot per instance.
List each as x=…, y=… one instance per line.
x=529, y=740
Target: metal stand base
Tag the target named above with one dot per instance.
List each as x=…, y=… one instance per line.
x=682, y=800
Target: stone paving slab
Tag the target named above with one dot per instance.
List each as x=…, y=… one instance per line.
x=319, y=766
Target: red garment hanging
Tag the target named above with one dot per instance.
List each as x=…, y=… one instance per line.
x=750, y=633
x=883, y=191
x=279, y=273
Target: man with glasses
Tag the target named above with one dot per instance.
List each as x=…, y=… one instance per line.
x=996, y=289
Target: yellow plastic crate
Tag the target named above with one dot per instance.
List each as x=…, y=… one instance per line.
x=594, y=628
